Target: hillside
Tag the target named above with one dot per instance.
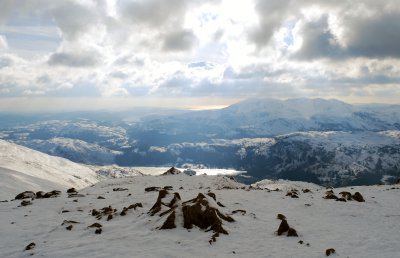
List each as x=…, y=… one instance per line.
x=59, y=227
x=25, y=169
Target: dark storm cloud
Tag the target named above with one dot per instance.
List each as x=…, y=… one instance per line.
x=271, y=14
x=318, y=41
x=376, y=37
x=86, y=59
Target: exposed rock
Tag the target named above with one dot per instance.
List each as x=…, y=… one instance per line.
x=283, y=227
x=171, y=171
x=159, y=205
x=52, y=194
x=200, y=211
x=292, y=233
x=346, y=195
x=237, y=211
x=95, y=225
x=101, y=198
x=330, y=195
x=25, y=195
x=168, y=187
x=358, y=197
x=134, y=206
x=341, y=200
x=398, y=181
x=40, y=194
x=69, y=222
x=30, y=246
x=329, y=251
x=69, y=227
x=169, y=223
x=118, y=189
x=281, y=216
x=306, y=190
x=98, y=231
x=26, y=203
x=152, y=189
x=72, y=190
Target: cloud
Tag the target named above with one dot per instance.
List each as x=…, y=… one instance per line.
x=318, y=41
x=73, y=18
x=375, y=37
x=153, y=13
x=179, y=41
x=82, y=59
x=271, y=14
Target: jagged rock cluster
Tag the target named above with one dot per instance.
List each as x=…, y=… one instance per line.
x=346, y=196
x=203, y=212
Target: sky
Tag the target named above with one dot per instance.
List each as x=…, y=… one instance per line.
x=100, y=54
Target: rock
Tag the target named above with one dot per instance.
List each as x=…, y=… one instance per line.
x=237, y=211
x=281, y=217
x=134, y=206
x=69, y=222
x=306, y=190
x=329, y=251
x=40, y=194
x=358, y=197
x=52, y=194
x=169, y=223
x=398, y=181
x=120, y=189
x=341, y=200
x=110, y=217
x=25, y=195
x=101, y=198
x=69, y=227
x=95, y=225
x=171, y=171
x=98, y=231
x=152, y=189
x=283, y=227
x=346, y=195
x=72, y=190
x=292, y=233
x=65, y=211
x=330, y=195
x=168, y=187
x=26, y=203
x=30, y=246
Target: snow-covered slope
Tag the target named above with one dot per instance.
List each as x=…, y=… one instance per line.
x=25, y=169
x=353, y=229
x=74, y=150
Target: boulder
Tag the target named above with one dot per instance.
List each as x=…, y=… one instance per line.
x=25, y=195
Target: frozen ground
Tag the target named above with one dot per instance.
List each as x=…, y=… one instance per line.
x=353, y=229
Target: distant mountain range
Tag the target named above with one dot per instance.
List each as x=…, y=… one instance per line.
x=323, y=141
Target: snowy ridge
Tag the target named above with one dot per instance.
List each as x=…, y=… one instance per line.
x=25, y=169
x=75, y=150
x=59, y=227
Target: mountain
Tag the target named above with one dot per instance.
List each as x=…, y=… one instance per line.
x=266, y=118
x=330, y=158
x=179, y=215
x=25, y=169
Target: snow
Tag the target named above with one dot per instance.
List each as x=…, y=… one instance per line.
x=353, y=229
x=25, y=169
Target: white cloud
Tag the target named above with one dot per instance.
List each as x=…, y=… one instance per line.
x=199, y=48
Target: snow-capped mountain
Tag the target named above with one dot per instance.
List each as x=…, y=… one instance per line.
x=334, y=158
x=25, y=169
x=204, y=216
